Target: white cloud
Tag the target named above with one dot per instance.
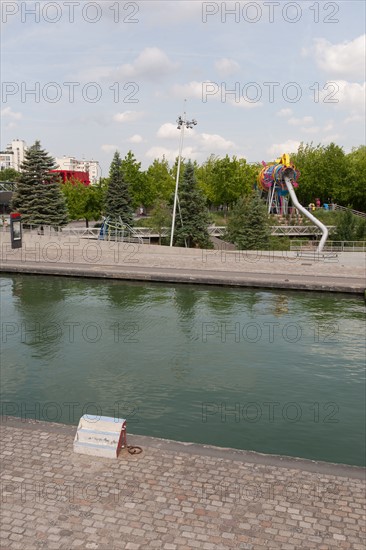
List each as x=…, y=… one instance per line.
x=106, y=148
x=343, y=59
x=211, y=142
x=289, y=146
x=95, y=73
x=347, y=95
x=310, y=129
x=170, y=154
x=151, y=64
x=354, y=117
x=245, y=104
x=11, y=125
x=317, y=129
x=128, y=116
x=298, y=121
x=203, y=143
x=284, y=112
x=168, y=131
x=330, y=138
x=136, y=138
x=209, y=90
x=7, y=112
x=226, y=66
x=192, y=89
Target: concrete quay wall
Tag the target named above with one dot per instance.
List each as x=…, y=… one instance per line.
x=71, y=256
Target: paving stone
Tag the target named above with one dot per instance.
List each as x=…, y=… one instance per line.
x=171, y=512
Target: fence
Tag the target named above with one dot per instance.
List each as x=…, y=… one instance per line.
x=330, y=246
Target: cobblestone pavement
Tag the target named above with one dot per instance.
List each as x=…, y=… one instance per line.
x=173, y=496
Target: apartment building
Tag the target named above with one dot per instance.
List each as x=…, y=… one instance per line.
x=90, y=166
x=13, y=156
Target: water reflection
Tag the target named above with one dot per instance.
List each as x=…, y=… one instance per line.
x=165, y=351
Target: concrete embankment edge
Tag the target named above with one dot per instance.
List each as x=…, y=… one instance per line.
x=230, y=279
x=250, y=457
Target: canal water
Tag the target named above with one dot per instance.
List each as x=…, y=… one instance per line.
x=276, y=372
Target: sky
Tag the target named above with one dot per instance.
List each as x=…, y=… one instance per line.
x=88, y=78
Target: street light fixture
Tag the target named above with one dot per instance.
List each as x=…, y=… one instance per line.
x=181, y=124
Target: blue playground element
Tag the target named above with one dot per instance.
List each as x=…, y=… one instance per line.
x=103, y=230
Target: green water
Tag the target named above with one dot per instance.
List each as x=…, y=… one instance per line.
x=275, y=372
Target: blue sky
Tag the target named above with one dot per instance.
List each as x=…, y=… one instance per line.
x=296, y=71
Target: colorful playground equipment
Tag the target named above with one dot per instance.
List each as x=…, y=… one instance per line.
x=271, y=181
x=278, y=180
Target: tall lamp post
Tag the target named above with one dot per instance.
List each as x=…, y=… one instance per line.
x=182, y=123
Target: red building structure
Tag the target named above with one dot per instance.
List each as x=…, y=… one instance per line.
x=72, y=175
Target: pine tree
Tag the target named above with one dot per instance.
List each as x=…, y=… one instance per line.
x=38, y=196
x=192, y=222
x=248, y=226
x=118, y=201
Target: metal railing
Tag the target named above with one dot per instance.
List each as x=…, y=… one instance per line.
x=146, y=233
x=297, y=230
x=331, y=246
x=343, y=209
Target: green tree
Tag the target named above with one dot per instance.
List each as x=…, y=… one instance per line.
x=248, y=225
x=139, y=189
x=193, y=220
x=346, y=228
x=160, y=181
x=360, y=233
x=38, y=196
x=324, y=172
x=160, y=218
x=9, y=174
x=224, y=180
x=83, y=202
x=118, y=200
x=353, y=190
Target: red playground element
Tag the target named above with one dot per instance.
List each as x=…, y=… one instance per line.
x=70, y=175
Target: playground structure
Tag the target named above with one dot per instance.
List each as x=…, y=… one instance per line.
x=118, y=230
x=271, y=182
x=278, y=180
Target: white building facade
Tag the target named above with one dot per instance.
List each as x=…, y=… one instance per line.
x=13, y=156
x=71, y=163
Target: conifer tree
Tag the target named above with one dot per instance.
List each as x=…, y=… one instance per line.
x=38, y=196
x=118, y=201
x=191, y=225
x=248, y=226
